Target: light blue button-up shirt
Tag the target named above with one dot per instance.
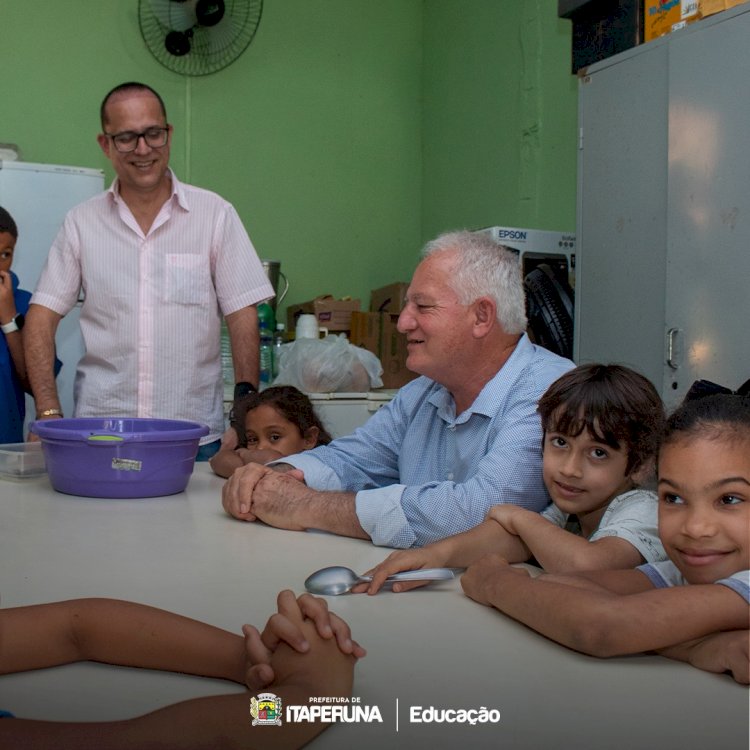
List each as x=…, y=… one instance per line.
x=421, y=473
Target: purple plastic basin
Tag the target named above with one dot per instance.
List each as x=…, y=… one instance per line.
x=119, y=457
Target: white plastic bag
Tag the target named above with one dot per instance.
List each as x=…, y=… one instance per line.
x=329, y=365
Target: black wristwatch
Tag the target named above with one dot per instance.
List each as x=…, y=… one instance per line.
x=240, y=390
x=243, y=388
x=14, y=324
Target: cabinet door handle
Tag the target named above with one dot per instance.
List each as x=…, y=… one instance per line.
x=672, y=348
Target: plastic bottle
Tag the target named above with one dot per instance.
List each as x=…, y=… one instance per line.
x=266, y=355
x=227, y=366
x=278, y=342
x=265, y=314
x=266, y=325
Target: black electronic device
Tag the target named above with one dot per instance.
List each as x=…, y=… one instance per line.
x=549, y=307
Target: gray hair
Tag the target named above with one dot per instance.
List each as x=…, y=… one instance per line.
x=485, y=268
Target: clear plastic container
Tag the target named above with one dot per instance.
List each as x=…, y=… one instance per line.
x=21, y=461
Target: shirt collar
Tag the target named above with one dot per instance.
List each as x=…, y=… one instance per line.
x=495, y=393
x=178, y=191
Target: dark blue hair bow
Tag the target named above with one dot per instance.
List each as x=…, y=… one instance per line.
x=702, y=388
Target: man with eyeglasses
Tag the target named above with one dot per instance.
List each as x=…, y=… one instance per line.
x=159, y=263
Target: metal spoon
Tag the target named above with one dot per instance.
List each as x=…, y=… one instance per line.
x=338, y=580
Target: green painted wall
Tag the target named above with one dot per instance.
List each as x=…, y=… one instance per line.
x=499, y=116
x=347, y=134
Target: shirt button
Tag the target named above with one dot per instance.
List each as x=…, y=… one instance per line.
x=449, y=475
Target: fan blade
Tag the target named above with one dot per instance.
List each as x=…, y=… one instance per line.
x=222, y=36
x=175, y=15
x=209, y=12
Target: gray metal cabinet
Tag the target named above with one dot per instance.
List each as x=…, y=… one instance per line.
x=663, y=267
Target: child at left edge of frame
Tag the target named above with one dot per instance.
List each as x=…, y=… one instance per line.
x=14, y=304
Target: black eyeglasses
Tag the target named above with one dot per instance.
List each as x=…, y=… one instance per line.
x=127, y=141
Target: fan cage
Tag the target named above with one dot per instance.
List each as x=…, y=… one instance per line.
x=212, y=48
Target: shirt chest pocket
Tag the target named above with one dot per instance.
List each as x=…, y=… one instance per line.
x=188, y=279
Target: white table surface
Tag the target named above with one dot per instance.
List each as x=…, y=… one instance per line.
x=432, y=647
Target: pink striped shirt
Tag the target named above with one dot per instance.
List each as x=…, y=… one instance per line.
x=151, y=316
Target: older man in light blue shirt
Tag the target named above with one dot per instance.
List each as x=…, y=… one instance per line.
x=453, y=443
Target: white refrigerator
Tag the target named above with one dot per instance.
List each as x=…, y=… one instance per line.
x=38, y=196
x=342, y=413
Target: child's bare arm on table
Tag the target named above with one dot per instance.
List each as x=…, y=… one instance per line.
x=456, y=551
x=227, y=460
x=116, y=632
x=728, y=651
x=601, y=622
x=129, y=634
x=204, y=722
x=515, y=534
x=559, y=550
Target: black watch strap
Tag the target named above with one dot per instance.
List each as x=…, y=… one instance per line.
x=243, y=388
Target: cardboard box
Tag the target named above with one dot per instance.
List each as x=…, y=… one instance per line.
x=660, y=17
x=389, y=298
x=333, y=314
x=709, y=7
x=377, y=333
